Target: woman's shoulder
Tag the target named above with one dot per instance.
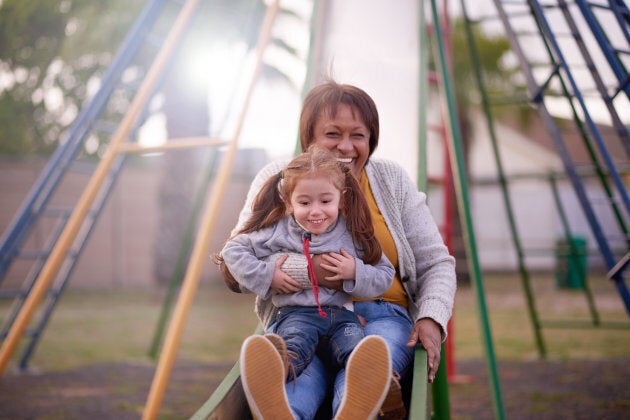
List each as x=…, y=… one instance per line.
x=273, y=167
x=389, y=178
x=385, y=168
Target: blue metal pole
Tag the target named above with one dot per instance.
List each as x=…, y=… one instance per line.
x=42, y=190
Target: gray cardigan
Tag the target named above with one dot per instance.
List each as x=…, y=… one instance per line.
x=425, y=265
x=247, y=256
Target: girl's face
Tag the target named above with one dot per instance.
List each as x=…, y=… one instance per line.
x=346, y=136
x=315, y=203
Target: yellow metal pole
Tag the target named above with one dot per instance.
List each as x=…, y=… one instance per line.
x=200, y=251
x=174, y=144
x=69, y=233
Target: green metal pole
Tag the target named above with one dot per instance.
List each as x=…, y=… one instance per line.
x=441, y=404
x=441, y=401
x=573, y=252
x=423, y=89
x=316, y=13
x=516, y=241
x=419, y=405
x=458, y=165
x=184, y=251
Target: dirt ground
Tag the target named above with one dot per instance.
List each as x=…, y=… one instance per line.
x=529, y=390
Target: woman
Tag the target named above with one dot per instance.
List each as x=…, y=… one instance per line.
x=417, y=307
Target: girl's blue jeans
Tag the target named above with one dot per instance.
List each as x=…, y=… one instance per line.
x=303, y=330
x=387, y=320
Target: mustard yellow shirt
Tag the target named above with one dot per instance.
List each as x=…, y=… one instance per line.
x=396, y=293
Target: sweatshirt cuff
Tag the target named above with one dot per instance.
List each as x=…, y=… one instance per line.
x=437, y=311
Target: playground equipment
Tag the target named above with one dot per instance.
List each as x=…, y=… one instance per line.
x=73, y=228
x=546, y=41
x=53, y=264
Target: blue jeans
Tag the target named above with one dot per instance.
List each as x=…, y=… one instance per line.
x=391, y=322
x=303, y=329
x=387, y=320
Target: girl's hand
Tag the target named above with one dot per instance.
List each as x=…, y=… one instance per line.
x=281, y=282
x=342, y=266
x=322, y=274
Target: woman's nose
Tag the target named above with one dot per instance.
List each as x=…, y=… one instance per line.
x=345, y=143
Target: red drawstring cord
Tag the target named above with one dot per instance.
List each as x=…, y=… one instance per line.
x=311, y=272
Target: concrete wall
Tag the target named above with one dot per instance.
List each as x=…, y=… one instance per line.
x=119, y=251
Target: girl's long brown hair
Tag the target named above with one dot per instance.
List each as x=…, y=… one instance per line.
x=269, y=206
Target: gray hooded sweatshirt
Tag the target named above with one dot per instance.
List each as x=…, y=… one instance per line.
x=248, y=258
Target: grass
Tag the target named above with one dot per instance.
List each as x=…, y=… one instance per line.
x=93, y=326
x=512, y=328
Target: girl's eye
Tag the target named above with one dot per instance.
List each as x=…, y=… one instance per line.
x=332, y=134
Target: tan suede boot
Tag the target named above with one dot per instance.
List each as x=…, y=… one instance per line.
x=281, y=347
x=393, y=407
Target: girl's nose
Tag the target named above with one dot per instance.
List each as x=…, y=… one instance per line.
x=316, y=210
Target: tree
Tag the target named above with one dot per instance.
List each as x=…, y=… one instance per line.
x=50, y=53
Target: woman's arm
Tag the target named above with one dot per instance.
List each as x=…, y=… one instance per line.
x=363, y=280
x=261, y=177
x=322, y=273
x=435, y=283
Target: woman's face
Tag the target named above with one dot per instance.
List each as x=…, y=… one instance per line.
x=346, y=136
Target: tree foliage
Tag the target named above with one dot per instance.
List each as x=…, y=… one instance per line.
x=492, y=51
x=53, y=54
x=50, y=52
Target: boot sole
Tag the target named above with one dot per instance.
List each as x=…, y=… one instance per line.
x=368, y=375
x=262, y=376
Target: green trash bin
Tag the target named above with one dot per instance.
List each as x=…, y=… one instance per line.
x=571, y=263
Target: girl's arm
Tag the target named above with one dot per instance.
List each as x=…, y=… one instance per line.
x=370, y=280
x=249, y=271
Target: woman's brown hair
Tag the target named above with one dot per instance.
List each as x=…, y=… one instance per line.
x=324, y=100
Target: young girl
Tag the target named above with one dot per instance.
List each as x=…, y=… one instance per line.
x=315, y=206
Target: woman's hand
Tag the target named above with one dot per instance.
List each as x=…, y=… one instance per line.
x=428, y=333
x=322, y=274
x=341, y=266
x=281, y=282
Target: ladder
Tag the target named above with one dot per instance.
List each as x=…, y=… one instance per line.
x=458, y=166
x=613, y=52
x=145, y=42
x=548, y=43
